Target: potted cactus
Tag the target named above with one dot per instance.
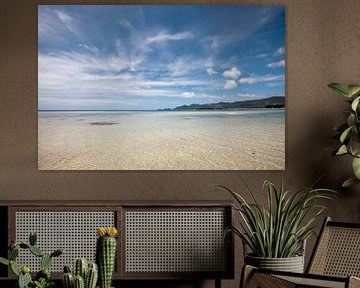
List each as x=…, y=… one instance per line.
x=42, y=278
x=85, y=275
x=106, y=254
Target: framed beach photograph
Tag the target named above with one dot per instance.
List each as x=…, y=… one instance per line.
x=161, y=87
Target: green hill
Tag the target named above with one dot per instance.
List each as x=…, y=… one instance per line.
x=271, y=102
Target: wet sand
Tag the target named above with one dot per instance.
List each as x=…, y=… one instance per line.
x=252, y=139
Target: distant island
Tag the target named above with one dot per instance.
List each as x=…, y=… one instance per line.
x=271, y=102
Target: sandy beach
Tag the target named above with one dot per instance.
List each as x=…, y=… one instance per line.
x=252, y=139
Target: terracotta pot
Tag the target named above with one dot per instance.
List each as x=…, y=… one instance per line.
x=291, y=264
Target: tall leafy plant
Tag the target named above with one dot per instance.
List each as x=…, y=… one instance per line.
x=348, y=132
x=279, y=229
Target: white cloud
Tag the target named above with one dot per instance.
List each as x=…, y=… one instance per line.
x=255, y=79
x=179, y=67
x=67, y=20
x=186, y=64
x=91, y=48
x=125, y=23
x=215, y=43
x=280, y=63
x=163, y=36
x=55, y=25
x=248, y=80
x=230, y=84
x=188, y=94
x=233, y=73
x=262, y=55
x=280, y=51
x=65, y=77
x=210, y=71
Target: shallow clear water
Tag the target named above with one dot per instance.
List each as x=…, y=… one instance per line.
x=249, y=139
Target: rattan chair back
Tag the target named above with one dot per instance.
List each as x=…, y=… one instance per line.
x=337, y=252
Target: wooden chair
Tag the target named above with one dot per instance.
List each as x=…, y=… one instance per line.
x=334, y=263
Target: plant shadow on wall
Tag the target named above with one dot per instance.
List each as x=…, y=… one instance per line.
x=276, y=232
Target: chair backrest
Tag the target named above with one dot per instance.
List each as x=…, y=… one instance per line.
x=337, y=251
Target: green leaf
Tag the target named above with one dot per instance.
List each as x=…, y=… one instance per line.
x=349, y=182
x=355, y=103
x=342, y=150
x=351, y=120
x=353, y=89
x=356, y=167
x=354, y=143
x=345, y=134
x=340, y=88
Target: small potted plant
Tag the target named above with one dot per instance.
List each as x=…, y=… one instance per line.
x=84, y=274
x=276, y=233
x=42, y=278
x=348, y=132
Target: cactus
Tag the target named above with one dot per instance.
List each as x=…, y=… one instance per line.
x=13, y=253
x=32, y=238
x=90, y=272
x=42, y=278
x=36, y=251
x=80, y=268
x=106, y=254
x=91, y=276
x=44, y=273
x=4, y=261
x=45, y=261
x=67, y=269
x=57, y=253
x=14, y=268
x=24, y=280
x=79, y=282
x=68, y=280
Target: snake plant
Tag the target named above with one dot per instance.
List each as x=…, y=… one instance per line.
x=279, y=228
x=348, y=132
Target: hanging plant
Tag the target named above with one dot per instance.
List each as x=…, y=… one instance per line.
x=348, y=132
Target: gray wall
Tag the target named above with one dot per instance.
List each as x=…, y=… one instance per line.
x=322, y=46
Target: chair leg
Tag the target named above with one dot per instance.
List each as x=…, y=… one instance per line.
x=251, y=279
x=246, y=274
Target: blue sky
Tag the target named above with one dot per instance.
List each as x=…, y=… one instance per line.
x=144, y=57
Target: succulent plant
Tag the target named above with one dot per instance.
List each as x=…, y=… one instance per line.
x=42, y=278
x=106, y=254
x=85, y=275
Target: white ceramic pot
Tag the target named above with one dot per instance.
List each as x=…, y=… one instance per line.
x=291, y=264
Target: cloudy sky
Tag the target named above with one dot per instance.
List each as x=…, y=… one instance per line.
x=137, y=57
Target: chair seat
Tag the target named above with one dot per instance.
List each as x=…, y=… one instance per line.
x=315, y=282
x=268, y=279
